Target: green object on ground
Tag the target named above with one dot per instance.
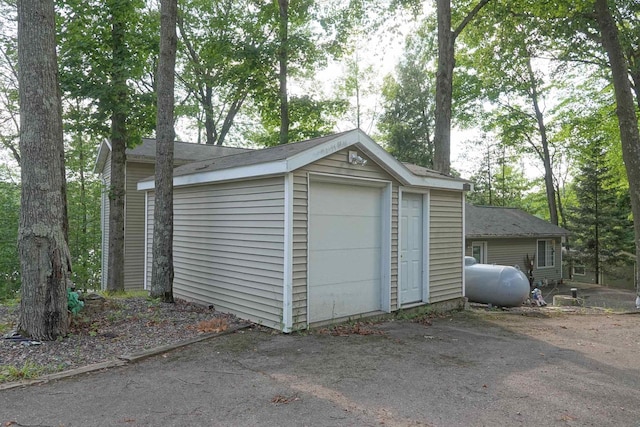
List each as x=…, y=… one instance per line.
x=73, y=302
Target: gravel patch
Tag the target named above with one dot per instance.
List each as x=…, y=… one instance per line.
x=113, y=328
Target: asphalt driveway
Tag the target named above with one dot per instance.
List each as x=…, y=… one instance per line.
x=474, y=368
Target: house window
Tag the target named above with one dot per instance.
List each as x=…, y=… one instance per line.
x=479, y=252
x=546, y=253
x=578, y=270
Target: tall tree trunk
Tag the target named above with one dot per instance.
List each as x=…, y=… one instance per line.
x=115, y=268
x=42, y=243
x=546, y=156
x=444, y=89
x=283, y=58
x=444, y=81
x=627, y=118
x=162, y=267
x=209, y=122
x=228, y=120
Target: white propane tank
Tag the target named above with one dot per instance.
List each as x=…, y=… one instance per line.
x=498, y=285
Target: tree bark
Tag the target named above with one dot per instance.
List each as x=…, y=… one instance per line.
x=627, y=118
x=228, y=120
x=546, y=156
x=283, y=58
x=444, y=89
x=162, y=268
x=209, y=123
x=115, y=268
x=444, y=81
x=44, y=254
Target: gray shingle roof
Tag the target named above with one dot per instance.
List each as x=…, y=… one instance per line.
x=252, y=157
x=495, y=222
x=422, y=171
x=183, y=151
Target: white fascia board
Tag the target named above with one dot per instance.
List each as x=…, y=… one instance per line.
x=101, y=156
x=250, y=171
x=316, y=153
x=146, y=185
x=369, y=146
x=439, y=183
x=386, y=160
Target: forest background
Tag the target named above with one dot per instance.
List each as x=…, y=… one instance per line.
x=533, y=103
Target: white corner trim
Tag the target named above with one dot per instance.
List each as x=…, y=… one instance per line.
x=387, y=238
x=146, y=242
x=464, y=243
x=287, y=291
x=426, y=249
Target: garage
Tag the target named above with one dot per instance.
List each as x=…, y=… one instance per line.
x=345, y=249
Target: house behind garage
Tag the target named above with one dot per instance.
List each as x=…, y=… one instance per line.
x=506, y=236
x=313, y=232
x=140, y=163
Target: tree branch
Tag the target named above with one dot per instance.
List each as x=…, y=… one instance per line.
x=469, y=18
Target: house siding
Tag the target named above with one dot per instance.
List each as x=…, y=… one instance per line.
x=229, y=247
x=148, y=241
x=512, y=252
x=445, y=245
x=300, y=248
x=134, y=225
x=335, y=164
x=104, y=219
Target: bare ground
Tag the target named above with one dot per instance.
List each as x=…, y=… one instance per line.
x=123, y=327
x=116, y=327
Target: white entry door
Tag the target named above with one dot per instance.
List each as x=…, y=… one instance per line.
x=411, y=250
x=345, y=250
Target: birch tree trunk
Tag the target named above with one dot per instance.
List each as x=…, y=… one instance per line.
x=162, y=267
x=625, y=110
x=44, y=254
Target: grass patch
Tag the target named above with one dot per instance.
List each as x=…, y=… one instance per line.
x=124, y=295
x=10, y=302
x=28, y=371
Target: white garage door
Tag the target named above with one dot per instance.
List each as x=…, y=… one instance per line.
x=345, y=232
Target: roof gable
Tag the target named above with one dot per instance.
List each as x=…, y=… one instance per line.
x=497, y=222
x=286, y=158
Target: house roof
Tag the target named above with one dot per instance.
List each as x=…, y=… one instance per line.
x=500, y=222
x=183, y=152
x=286, y=158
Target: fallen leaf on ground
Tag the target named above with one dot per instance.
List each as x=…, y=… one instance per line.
x=278, y=398
x=213, y=325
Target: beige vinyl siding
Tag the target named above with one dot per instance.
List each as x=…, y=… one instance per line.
x=106, y=182
x=445, y=245
x=229, y=247
x=148, y=239
x=134, y=238
x=512, y=251
x=394, y=247
x=335, y=164
x=299, y=276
